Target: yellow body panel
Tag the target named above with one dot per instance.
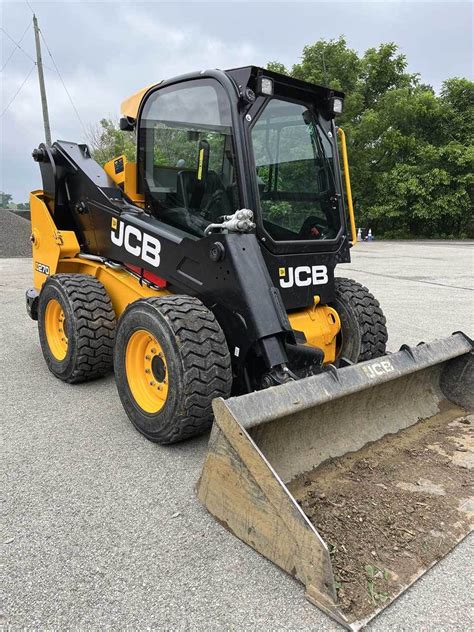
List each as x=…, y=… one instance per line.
x=49, y=244
x=110, y=169
x=130, y=106
x=320, y=325
x=126, y=178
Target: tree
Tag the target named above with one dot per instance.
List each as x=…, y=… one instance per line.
x=5, y=199
x=457, y=94
x=411, y=151
x=107, y=141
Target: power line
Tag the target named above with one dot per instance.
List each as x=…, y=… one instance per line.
x=14, y=50
x=22, y=49
x=17, y=44
x=19, y=89
x=64, y=85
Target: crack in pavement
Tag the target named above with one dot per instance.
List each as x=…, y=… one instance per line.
x=414, y=280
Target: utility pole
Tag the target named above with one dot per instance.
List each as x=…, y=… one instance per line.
x=39, y=64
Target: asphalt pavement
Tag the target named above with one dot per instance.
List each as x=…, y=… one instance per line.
x=102, y=530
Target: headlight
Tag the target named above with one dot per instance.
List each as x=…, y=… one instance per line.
x=337, y=105
x=265, y=86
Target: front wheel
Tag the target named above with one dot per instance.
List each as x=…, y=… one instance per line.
x=170, y=360
x=363, y=334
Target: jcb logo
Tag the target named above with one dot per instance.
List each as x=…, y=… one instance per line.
x=136, y=242
x=303, y=275
x=378, y=368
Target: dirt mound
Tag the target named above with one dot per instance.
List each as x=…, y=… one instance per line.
x=15, y=234
x=391, y=509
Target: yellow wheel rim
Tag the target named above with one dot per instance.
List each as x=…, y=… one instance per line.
x=55, y=327
x=147, y=371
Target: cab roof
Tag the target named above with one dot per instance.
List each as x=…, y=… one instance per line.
x=129, y=107
x=242, y=77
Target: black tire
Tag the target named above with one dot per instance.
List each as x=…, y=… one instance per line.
x=363, y=334
x=89, y=327
x=197, y=366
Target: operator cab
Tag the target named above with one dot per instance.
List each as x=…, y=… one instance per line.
x=212, y=143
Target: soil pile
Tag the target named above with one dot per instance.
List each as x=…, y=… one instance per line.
x=15, y=234
x=392, y=509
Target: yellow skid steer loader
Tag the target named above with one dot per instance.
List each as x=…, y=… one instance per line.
x=203, y=274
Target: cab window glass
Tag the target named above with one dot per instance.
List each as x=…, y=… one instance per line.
x=187, y=148
x=294, y=174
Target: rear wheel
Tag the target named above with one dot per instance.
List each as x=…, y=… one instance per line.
x=363, y=334
x=171, y=360
x=76, y=324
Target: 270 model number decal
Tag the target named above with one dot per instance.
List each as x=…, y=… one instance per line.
x=42, y=267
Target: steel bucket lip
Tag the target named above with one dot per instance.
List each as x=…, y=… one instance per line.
x=286, y=399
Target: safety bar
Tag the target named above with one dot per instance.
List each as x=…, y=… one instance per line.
x=347, y=180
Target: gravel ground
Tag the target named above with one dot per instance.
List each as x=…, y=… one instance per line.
x=15, y=234
x=101, y=529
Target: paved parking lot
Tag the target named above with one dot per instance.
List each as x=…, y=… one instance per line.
x=101, y=529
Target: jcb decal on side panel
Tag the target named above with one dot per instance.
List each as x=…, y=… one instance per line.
x=136, y=242
x=303, y=275
x=42, y=267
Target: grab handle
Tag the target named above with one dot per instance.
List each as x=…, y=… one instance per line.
x=347, y=180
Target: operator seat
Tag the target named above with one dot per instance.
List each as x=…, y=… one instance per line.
x=208, y=197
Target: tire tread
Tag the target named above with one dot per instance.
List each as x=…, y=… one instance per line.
x=95, y=326
x=206, y=362
x=370, y=317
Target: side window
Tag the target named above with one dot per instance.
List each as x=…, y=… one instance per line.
x=187, y=150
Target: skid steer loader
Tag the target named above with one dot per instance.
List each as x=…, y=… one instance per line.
x=203, y=273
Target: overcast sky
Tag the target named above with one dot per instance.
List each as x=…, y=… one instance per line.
x=106, y=51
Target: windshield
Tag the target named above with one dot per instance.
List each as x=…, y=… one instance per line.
x=294, y=174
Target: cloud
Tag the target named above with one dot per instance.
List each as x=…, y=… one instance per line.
x=106, y=51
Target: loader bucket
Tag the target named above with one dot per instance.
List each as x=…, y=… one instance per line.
x=355, y=481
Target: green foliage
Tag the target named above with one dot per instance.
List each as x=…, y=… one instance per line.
x=107, y=141
x=373, y=574
x=277, y=67
x=329, y=63
x=278, y=211
x=411, y=151
x=5, y=199
x=173, y=145
x=23, y=207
